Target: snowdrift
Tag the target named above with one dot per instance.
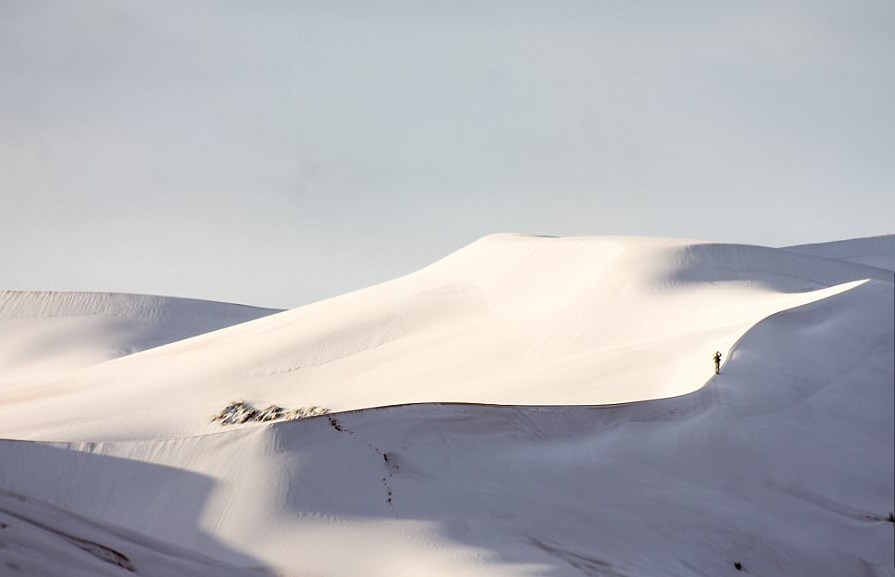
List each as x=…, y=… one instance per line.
x=632, y=459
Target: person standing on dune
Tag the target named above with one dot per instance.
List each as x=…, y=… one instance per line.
x=717, y=358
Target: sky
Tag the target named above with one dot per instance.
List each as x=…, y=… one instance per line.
x=276, y=153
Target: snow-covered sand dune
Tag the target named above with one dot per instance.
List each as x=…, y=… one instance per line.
x=507, y=320
x=876, y=251
x=44, y=334
x=782, y=464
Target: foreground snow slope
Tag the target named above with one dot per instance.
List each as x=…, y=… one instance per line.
x=507, y=320
x=41, y=540
x=783, y=463
x=45, y=334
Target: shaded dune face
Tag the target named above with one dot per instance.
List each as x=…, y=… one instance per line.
x=874, y=251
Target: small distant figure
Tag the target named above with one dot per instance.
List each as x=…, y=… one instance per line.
x=717, y=358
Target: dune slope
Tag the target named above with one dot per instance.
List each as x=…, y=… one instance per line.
x=507, y=320
x=46, y=334
x=783, y=464
x=41, y=540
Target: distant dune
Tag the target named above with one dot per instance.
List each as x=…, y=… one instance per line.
x=524, y=406
x=48, y=333
x=877, y=251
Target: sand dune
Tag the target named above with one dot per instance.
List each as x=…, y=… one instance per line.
x=876, y=251
x=631, y=458
x=43, y=334
x=506, y=320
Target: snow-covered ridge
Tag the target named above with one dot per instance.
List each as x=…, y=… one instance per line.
x=875, y=251
x=508, y=260
x=45, y=304
x=777, y=269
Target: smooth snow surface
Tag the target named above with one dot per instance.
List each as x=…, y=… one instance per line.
x=51, y=333
x=630, y=458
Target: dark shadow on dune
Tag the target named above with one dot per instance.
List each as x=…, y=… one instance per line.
x=143, y=498
x=780, y=270
x=591, y=567
x=739, y=471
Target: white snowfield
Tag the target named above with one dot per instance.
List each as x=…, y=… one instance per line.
x=525, y=406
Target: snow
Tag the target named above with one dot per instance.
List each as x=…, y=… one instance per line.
x=45, y=334
x=507, y=320
x=876, y=251
x=525, y=406
x=39, y=539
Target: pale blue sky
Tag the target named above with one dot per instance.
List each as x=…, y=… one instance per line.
x=276, y=153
